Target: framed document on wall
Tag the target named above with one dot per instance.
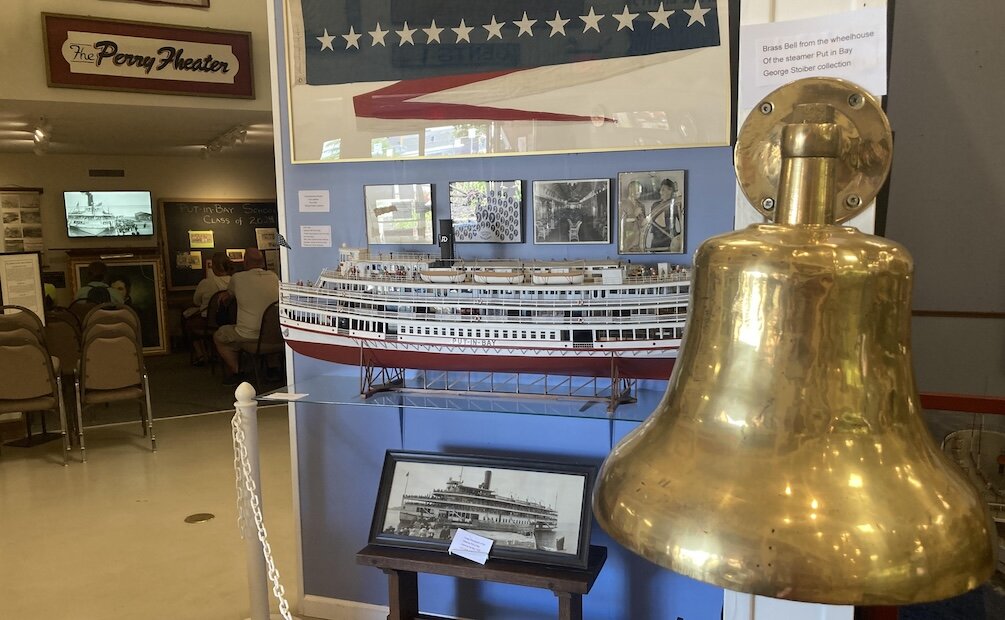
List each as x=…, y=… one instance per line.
x=21, y=281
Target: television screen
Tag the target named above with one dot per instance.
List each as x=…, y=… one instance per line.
x=108, y=214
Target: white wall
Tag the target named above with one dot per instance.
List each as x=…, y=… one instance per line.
x=22, y=55
x=164, y=177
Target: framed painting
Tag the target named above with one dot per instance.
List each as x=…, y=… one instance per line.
x=651, y=212
x=535, y=512
x=141, y=284
x=390, y=80
x=487, y=211
x=399, y=214
x=576, y=211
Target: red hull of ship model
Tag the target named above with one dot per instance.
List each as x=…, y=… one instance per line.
x=626, y=367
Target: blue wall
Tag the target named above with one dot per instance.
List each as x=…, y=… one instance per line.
x=341, y=448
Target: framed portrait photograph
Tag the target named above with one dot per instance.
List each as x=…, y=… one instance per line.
x=487, y=211
x=651, y=212
x=141, y=284
x=575, y=211
x=533, y=511
x=399, y=214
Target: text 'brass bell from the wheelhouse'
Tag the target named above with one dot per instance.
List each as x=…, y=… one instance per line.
x=788, y=457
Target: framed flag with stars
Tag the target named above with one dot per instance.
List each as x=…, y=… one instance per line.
x=401, y=79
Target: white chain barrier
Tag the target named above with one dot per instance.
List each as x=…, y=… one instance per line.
x=248, y=505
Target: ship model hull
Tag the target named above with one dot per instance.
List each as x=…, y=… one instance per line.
x=580, y=363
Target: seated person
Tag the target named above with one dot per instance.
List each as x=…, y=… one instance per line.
x=217, y=280
x=194, y=318
x=97, y=286
x=254, y=290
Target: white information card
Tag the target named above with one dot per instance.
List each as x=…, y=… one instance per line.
x=471, y=546
x=314, y=201
x=850, y=45
x=315, y=236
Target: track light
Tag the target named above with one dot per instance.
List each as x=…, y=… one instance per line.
x=41, y=136
x=231, y=137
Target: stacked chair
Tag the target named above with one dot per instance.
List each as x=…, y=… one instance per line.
x=31, y=376
x=62, y=335
x=111, y=366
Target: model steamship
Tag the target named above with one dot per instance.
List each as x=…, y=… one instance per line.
x=407, y=310
x=507, y=520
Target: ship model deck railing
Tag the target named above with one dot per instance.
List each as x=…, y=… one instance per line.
x=560, y=301
x=412, y=277
x=502, y=319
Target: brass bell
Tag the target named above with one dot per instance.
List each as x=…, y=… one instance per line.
x=788, y=457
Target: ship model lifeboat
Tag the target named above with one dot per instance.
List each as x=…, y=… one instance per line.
x=442, y=276
x=559, y=277
x=498, y=277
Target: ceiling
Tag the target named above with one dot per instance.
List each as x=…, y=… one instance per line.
x=109, y=129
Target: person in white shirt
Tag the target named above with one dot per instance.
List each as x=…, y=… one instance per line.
x=254, y=290
x=218, y=279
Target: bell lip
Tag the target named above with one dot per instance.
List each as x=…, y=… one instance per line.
x=980, y=569
x=928, y=592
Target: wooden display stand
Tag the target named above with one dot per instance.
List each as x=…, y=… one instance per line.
x=403, y=565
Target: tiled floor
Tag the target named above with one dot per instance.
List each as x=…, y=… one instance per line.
x=107, y=540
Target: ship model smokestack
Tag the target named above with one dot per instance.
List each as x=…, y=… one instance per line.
x=488, y=481
x=447, y=241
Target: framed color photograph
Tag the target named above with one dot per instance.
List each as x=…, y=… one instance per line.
x=141, y=283
x=399, y=214
x=577, y=211
x=534, y=511
x=651, y=212
x=487, y=211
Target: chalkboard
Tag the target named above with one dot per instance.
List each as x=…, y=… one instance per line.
x=192, y=230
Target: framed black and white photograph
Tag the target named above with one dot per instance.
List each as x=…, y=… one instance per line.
x=487, y=211
x=399, y=214
x=651, y=212
x=576, y=211
x=533, y=511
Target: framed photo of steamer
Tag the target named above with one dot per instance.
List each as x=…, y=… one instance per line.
x=535, y=512
x=399, y=214
x=487, y=211
x=575, y=211
x=651, y=212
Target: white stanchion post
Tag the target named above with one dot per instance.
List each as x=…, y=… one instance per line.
x=258, y=578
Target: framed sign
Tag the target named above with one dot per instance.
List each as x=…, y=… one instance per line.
x=651, y=212
x=395, y=80
x=21, y=281
x=196, y=3
x=576, y=211
x=399, y=214
x=85, y=52
x=533, y=511
x=141, y=283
